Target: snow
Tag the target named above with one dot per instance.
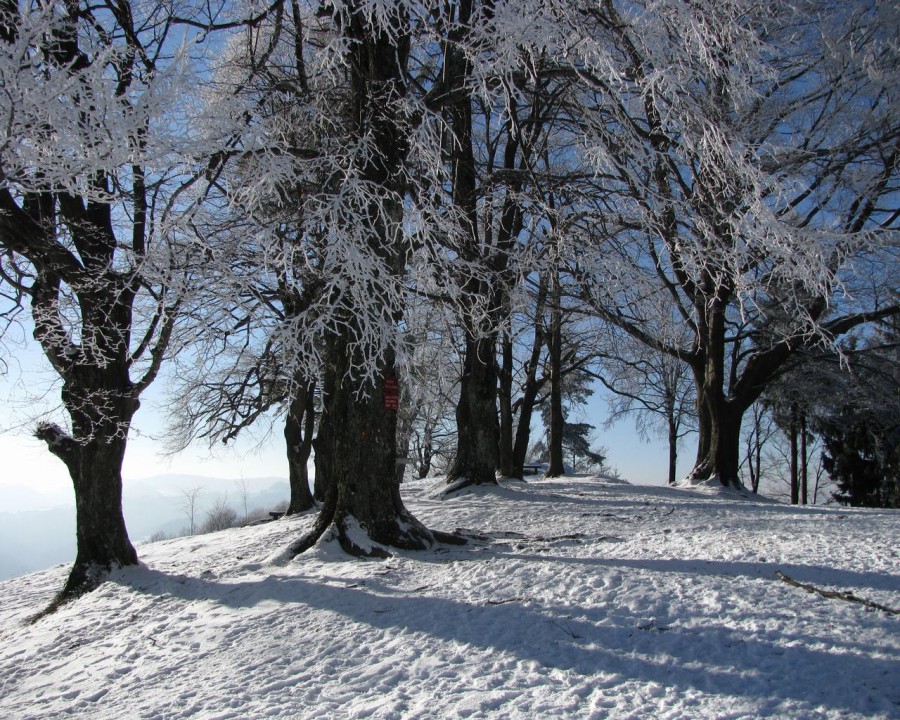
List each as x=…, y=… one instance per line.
x=576, y=598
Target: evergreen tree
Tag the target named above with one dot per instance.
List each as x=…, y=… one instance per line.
x=864, y=461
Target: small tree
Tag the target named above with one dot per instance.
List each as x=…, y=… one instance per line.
x=653, y=387
x=189, y=506
x=220, y=516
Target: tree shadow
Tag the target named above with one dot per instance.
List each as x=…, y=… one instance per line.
x=713, y=657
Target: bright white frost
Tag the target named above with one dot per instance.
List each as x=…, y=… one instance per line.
x=580, y=598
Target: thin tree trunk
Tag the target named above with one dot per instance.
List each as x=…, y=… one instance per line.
x=532, y=386
x=792, y=435
x=673, y=448
x=506, y=459
x=425, y=452
x=804, y=461
x=754, y=451
x=557, y=418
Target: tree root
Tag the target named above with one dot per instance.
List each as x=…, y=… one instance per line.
x=835, y=595
x=414, y=536
x=82, y=580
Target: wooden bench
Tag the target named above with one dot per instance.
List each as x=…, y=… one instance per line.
x=532, y=469
x=274, y=514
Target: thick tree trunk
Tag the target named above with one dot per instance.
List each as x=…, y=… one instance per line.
x=356, y=444
x=298, y=433
x=361, y=446
x=102, y=537
x=478, y=432
x=93, y=456
x=722, y=457
x=719, y=421
x=355, y=450
x=476, y=417
x=719, y=418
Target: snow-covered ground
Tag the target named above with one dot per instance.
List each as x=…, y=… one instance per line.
x=582, y=598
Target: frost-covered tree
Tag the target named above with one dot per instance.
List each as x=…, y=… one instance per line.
x=751, y=151
x=653, y=387
x=368, y=250
x=276, y=116
x=497, y=102
x=89, y=158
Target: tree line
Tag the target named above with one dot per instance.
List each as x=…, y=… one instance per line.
x=382, y=220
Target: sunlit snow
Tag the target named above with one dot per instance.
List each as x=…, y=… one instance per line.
x=576, y=598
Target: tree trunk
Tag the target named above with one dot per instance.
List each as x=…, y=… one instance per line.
x=506, y=458
x=532, y=385
x=93, y=456
x=298, y=433
x=673, y=448
x=792, y=435
x=355, y=450
x=523, y=430
x=556, y=467
x=804, y=461
x=719, y=418
x=476, y=417
x=404, y=434
x=362, y=464
x=719, y=424
x=425, y=452
x=754, y=451
x=722, y=457
x=356, y=444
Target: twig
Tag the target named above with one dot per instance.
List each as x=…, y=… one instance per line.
x=566, y=629
x=835, y=595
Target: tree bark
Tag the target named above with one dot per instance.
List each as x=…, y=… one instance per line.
x=532, y=385
x=425, y=452
x=673, y=448
x=298, y=434
x=356, y=443
x=804, y=460
x=356, y=449
x=556, y=467
x=719, y=417
x=93, y=455
x=792, y=436
x=476, y=417
x=506, y=457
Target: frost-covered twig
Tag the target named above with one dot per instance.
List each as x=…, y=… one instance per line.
x=835, y=595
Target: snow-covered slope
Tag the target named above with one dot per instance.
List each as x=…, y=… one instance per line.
x=580, y=599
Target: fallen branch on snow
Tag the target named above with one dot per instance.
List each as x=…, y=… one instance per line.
x=835, y=595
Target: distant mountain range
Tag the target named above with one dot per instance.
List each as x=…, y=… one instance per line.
x=38, y=530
